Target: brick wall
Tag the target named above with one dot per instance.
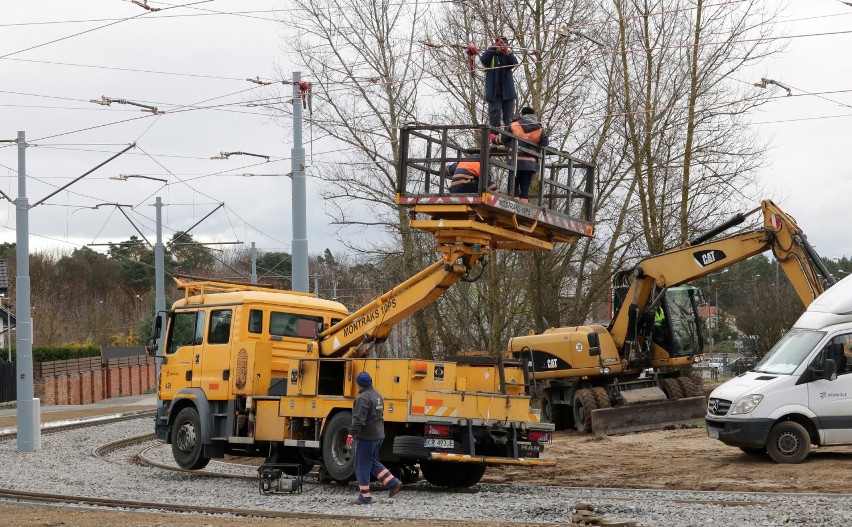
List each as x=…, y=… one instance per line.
x=85, y=387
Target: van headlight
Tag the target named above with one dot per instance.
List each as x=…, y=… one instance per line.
x=746, y=404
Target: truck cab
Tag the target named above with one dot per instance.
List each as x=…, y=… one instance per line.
x=800, y=394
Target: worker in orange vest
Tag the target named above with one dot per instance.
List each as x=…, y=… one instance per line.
x=530, y=130
x=465, y=174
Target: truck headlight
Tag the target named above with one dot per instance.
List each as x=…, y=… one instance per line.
x=746, y=404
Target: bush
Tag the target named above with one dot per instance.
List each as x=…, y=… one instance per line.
x=63, y=352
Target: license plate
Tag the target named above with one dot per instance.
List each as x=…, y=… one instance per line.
x=438, y=443
x=714, y=434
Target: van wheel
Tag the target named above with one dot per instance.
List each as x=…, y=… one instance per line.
x=337, y=458
x=187, y=447
x=788, y=442
x=584, y=403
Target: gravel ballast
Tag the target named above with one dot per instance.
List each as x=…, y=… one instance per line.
x=65, y=465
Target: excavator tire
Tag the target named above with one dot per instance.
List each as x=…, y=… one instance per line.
x=601, y=397
x=672, y=389
x=584, y=403
x=688, y=387
x=559, y=415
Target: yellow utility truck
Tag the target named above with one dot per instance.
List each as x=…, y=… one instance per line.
x=251, y=370
x=597, y=378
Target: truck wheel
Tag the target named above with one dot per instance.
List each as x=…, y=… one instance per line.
x=584, y=403
x=672, y=389
x=601, y=397
x=788, y=442
x=455, y=475
x=338, y=459
x=409, y=447
x=186, y=440
x=688, y=387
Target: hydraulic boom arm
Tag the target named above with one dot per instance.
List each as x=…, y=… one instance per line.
x=373, y=322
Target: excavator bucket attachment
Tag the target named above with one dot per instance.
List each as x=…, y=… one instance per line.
x=639, y=417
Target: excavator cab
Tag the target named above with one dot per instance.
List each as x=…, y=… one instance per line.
x=682, y=327
x=673, y=325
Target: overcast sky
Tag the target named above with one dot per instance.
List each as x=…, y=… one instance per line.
x=807, y=169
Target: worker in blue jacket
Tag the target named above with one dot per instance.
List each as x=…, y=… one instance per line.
x=499, y=61
x=368, y=432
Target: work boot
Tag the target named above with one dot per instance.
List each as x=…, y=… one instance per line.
x=395, y=490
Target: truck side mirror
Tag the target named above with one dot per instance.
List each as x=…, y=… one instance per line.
x=156, y=329
x=594, y=344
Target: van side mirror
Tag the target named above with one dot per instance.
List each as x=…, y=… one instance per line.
x=829, y=373
x=594, y=344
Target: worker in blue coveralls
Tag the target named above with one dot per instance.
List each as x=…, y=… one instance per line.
x=499, y=61
x=368, y=432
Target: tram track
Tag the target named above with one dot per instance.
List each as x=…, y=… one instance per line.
x=143, y=450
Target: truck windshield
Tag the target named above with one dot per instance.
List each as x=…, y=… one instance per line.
x=786, y=355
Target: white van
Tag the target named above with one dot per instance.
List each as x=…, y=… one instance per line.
x=800, y=393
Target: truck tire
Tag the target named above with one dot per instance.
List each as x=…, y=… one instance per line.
x=601, y=397
x=187, y=447
x=338, y=459
x=672, y=389
x=788, y=442
x=409, y=447
x=584, y=403
x=450, y=474
x=688, y=387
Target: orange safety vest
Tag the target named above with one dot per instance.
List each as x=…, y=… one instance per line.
x=533, y=136
x=465, y=172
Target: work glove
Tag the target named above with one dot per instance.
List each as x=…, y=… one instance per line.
x=349, y=440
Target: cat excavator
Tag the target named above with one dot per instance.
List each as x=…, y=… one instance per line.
x=628, y=376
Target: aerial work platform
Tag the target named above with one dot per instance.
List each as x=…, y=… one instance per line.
x=560, y=207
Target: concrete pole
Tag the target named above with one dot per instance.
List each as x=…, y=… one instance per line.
x=300, y=230
x=316, y=285
x=159, y=286
x=253, y=264
x=29, y=429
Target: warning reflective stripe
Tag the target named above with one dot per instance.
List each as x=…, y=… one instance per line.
x=438, y=411
x=465, y=458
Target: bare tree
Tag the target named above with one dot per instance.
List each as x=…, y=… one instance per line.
x=689, y=150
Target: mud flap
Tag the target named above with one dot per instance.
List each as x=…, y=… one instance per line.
x=635, y=418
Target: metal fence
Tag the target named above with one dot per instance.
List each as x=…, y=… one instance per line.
x=8, y=384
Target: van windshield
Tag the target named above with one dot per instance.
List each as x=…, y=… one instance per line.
x=786, y=355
